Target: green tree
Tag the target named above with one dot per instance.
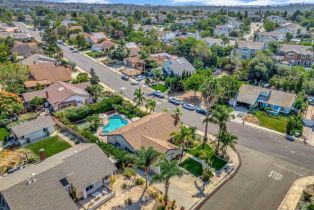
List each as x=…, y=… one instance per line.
x=93, y=121
x=36, y=101
x=4, y=52
x=194, y=82
x=146, y=158
x=81, y=41
x=151, y=105
x=94, y=78
x=183, y=137
x=295, y=125
x=139, y=98
x=269, y=25
x=10, y=104
x=50, y=37
x=13, y=76
x=96, y=91
x=143, y=55
x=81, y=77
x=261, y=68
x=227, y=140
x=157, y=74
x=211, y=91
x=168, y=170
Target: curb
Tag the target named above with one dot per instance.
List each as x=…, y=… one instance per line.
x=220, y=185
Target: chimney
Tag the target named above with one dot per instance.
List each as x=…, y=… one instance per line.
x=34, y=62
x=47, y=95
x=42, y=154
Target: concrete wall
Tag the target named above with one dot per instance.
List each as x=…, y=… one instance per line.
x=36, y=135
x=120, y=142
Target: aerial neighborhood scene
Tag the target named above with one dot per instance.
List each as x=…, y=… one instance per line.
x=156, y=105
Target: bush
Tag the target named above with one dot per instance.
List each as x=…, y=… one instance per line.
x=128, y=201
x=139, y=181
x=128, y=173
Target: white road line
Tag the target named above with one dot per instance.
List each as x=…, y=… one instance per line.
x=279, y=166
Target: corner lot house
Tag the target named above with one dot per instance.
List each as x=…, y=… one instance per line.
x=152, y=130
x=61, y=95
x=176, y=66
x=277, y=101
x=248, y=49
x=52, y=184
x=33, y=130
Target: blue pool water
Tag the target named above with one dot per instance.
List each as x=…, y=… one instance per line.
x=115, y=122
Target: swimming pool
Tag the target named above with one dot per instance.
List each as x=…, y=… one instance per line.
x=115, y=121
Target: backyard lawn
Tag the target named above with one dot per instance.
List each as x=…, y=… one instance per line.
x=278, y=123
x=3, y=133
x=160, y=87
x=52, y=145
x=216, y=162
x=192, y=166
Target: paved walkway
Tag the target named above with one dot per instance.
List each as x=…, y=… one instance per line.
x=293, y=196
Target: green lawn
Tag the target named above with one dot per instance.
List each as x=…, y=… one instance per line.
x=3, y=133
x=52, y=145
x=160, y=87
x=192, y=166
x=95, y=54
x=216, y=162
x=277, y=123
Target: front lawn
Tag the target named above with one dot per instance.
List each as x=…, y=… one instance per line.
x=277, y=123
x=208, y=152
x=95, y=54
x=52, y=145
x=160, y=87
x=192, y=166
x=3, y=133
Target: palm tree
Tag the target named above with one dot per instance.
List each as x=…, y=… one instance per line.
x=157, y=74
x=226, y=139
x=211, y=90
x=151, y=105
x=96, y=91
x=183, y=137
x=176, y=115
x=220, y=115
x=168, y=170
x=143, y=55
x=144, y=159
x=139, y=98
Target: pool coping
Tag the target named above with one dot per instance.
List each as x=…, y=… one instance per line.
x=124, y=117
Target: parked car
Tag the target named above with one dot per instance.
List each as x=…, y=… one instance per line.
x=134, y=82
x=71, y=47
x=125, y=78
x=201, y=110
x=140, y=78
x=174, y=101
x=187, y=106
x=158, y=94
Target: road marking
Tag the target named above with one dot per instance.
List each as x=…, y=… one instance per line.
x=279, y=166
x=275, y=175
x=293, y=152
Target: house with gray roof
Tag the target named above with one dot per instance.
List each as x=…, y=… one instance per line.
x=56, y=182
x=211, y=41
x=274, y=100
x=33, y=130
x=177, y=66
x=38, y=58
x=248, y=49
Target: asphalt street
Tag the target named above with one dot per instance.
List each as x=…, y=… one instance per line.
x=270, y=163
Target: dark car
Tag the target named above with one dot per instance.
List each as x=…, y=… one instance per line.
x=174, y=101
x=201, y=110
x=158, y=94
x=125, y=78
x=187, y=106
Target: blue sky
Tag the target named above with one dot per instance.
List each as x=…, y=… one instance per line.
x=194, y=2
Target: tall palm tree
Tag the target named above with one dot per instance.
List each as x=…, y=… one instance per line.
x=220, y=115
x=227, y=139
x=144, y=159
x=183, y=137
x=151, y=105
x=168, y=170
x=139, y=98
x=176, y=114
x=143, y=55
x=211, y=90
x=157, y=74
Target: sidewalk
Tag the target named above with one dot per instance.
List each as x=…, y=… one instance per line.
x=293, y=196
x=310, y=141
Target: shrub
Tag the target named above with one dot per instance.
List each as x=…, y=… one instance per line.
x=139, y=181
x=128, y=173
x=123, y=186
x=128, y=201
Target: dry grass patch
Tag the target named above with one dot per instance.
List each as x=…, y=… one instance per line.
x=251, y=119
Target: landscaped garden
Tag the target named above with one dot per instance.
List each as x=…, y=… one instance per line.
x=52, y=145
x=277, y=123
x=307, y=199
x=95, y=54
x=192, y=166
x=3, y=133
x=160, y=87
x=208, y=155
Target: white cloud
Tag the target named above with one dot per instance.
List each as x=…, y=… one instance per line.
x=87, y=1
x=242, y=2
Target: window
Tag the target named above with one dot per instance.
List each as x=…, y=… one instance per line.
x=89, y=188
x=307, y=63
x=290, y=55
x=303, y=56
x=45, y=129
